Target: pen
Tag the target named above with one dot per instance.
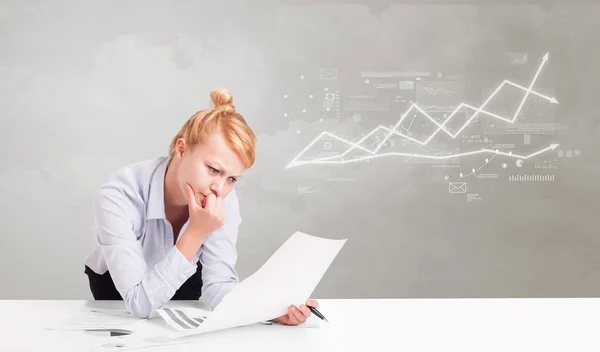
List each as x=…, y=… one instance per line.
x=317, y=313
x=108, y=332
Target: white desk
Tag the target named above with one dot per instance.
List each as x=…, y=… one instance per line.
x=481, y=325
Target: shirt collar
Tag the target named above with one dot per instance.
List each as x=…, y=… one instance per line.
x=155, y=208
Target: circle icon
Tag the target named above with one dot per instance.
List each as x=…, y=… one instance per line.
x=327, y=145
x=519, y=163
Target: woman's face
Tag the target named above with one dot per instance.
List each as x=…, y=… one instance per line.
x=210, y=167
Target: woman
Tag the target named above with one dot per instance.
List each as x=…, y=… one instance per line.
x=166, y=228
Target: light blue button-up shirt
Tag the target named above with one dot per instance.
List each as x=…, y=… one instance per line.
x=133, y=240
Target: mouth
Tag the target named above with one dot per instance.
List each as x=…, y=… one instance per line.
x=201, y=199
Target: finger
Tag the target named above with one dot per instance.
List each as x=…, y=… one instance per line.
x=218, y=206
x=313, y=303
x=192, y=202
x=304, y=309
x=282, y=319
x=210, y=202
x=291, y=318
x=297, y=316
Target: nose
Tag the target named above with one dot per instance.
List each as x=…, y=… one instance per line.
x=217, y=186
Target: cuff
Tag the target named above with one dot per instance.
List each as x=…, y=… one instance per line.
x=175, y=268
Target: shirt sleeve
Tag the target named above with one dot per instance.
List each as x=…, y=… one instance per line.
x=143, y=289
x=218, y=256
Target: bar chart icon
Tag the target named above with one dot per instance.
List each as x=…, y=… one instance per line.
x=532, y=178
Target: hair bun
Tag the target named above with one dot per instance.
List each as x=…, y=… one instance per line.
x=222, y=99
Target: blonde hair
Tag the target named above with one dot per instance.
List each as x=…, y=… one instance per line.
x=222, y=115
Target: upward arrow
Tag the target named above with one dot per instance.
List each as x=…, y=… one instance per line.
x=544, y=60
x=394, y=130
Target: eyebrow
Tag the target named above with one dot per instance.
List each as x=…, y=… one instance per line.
x=222, y=168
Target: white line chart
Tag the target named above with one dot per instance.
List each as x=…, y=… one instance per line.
x=441, y=127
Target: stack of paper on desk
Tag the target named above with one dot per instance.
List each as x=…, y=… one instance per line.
x=288, y=277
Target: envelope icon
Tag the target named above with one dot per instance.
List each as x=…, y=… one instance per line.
x=457, y=187
x=328, y=73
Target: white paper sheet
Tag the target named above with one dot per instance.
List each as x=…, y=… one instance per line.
x=188, y=319
x=90, y=318
x=288, y=277
x=183, y=319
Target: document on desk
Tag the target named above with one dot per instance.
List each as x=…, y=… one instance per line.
x=288, y=277
x=90, y=318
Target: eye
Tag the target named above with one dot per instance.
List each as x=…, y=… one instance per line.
x=213, y=170
x=233, y=179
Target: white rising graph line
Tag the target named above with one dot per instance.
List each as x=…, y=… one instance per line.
x=441, y=126
x=425, y=156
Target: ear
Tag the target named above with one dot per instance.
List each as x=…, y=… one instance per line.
x=180, y=147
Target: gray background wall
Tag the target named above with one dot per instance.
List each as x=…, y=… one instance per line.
x=87, y=87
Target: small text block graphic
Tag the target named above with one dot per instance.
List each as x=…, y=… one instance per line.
x=532, y=178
